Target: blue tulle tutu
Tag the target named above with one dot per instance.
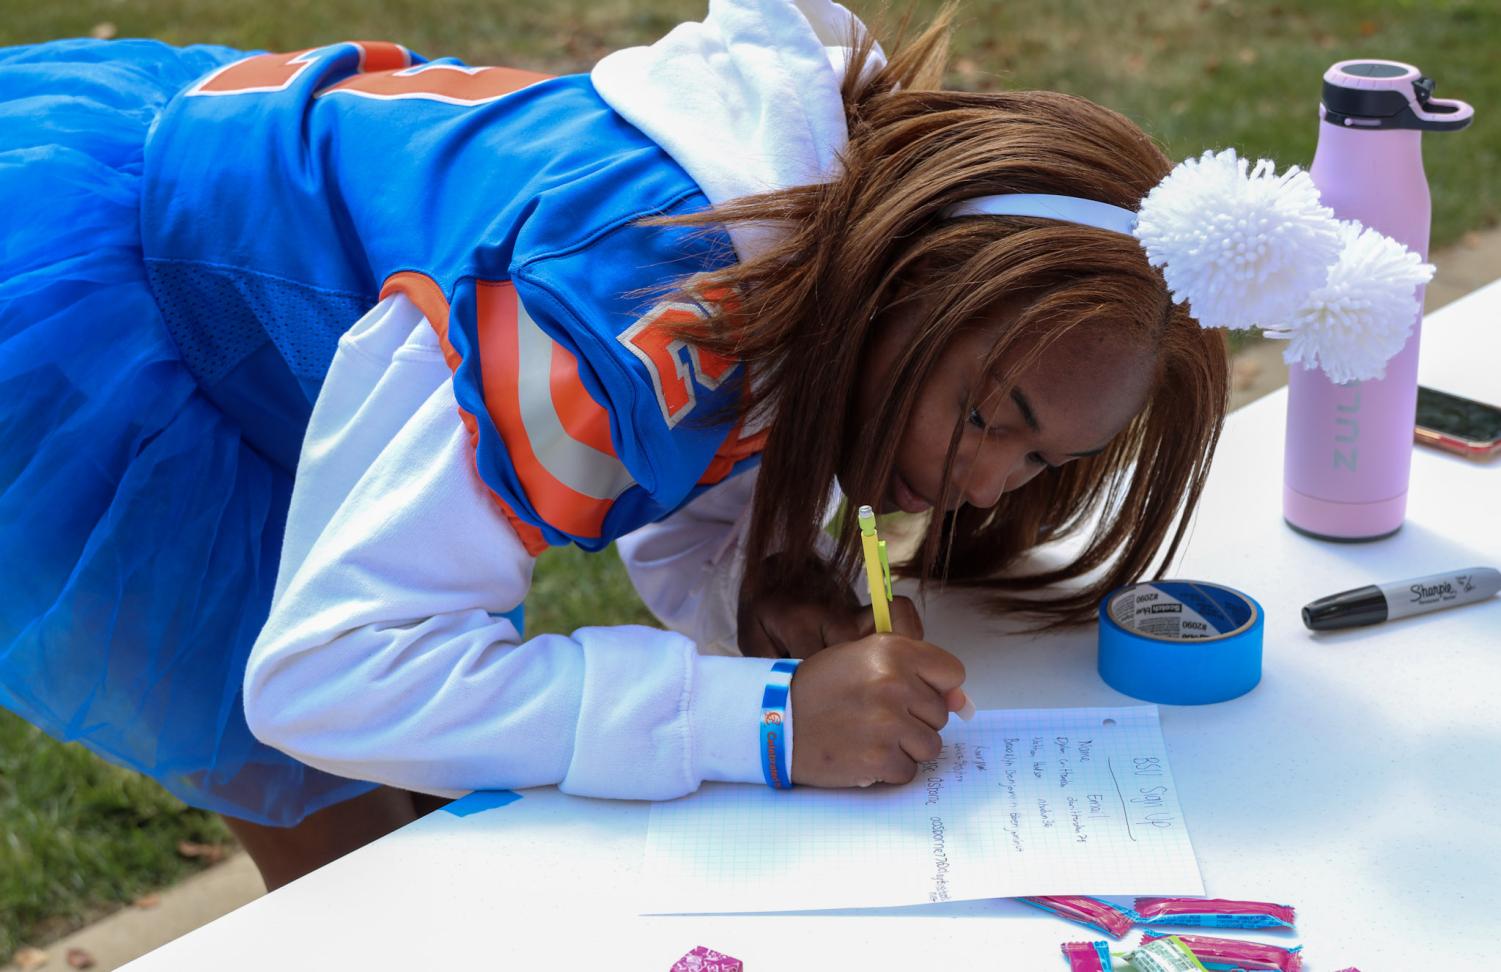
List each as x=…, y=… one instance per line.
x=139, y=532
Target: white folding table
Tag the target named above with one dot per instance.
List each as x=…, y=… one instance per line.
x=1361, y=781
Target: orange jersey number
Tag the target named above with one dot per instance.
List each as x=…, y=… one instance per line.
x=385, y=72
x=651, y=341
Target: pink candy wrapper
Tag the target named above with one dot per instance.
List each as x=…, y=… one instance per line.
x=1213, y=913
x=1087, y=956
x=706, y=960
x=1229, y=953
x=1093, y=912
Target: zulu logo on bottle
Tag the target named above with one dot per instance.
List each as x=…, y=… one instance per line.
x=1349, y=424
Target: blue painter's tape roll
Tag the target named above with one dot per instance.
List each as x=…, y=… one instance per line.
x=1180, y=642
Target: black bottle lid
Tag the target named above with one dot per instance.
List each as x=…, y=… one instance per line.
x=1406, y=105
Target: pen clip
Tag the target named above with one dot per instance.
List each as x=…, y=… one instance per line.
x=885, y=567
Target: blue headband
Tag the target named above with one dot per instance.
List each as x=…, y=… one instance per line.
x=1069, y=209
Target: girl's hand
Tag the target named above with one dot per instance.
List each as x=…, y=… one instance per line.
x=809, y=612
x=869, y=711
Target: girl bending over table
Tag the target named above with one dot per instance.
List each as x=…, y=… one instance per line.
x=308, y=356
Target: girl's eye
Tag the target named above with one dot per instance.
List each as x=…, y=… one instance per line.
x=976, y=419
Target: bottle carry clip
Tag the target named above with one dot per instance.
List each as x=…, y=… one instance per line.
x=1388, y=108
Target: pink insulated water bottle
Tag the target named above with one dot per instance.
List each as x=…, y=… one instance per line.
x=1349, y=447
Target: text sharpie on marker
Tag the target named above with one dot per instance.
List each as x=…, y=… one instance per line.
x=1400, y=599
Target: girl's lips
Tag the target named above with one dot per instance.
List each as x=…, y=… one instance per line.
x=906, y=498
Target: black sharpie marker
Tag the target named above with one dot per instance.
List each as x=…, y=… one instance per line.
x=1400, y=599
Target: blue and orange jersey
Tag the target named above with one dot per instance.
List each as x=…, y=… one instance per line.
x=287, y=193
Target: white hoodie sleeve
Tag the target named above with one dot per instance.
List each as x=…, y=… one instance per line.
x=687, y=567
x=384, y=656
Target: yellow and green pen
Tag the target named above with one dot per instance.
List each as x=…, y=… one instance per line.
x=878, y=576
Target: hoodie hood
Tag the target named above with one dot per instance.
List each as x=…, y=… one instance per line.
x=746, y=101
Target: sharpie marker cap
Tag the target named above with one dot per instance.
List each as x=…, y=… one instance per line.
x=1348, y=609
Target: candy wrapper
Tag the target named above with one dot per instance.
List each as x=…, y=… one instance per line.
x=1229, y=953
x=1165, y=955
x=706, y=960
x=1213, y=913
x=1087, y=956
x=1108, y=918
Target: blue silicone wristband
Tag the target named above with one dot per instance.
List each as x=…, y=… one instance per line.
x=773, y=724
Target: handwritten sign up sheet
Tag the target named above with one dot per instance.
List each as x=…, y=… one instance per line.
x=1020, y=802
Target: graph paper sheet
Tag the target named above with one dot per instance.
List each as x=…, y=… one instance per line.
x=1020, y=802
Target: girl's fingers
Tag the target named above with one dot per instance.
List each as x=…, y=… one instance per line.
x=837, y=631
x=904, y=618
x=778, y=640
x=930, y=710
x=797, y=632
x=959, y=704
x=941, y=670
x=900, y=768
x=921, y=742
x=754, y=642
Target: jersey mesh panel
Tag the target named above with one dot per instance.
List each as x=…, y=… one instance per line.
x=218, y=316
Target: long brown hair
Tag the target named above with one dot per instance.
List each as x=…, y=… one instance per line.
x=874, y=237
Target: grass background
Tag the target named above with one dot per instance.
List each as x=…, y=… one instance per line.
x=77, y=834
x=1195, y=73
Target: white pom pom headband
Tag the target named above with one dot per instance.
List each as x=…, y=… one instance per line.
x=1245, y=247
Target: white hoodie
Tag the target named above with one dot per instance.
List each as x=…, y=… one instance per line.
x=385, y=657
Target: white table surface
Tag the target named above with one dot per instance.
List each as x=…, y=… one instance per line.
x=1361, y=781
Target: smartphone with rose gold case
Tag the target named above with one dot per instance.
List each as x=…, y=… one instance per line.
x=1460, y=425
